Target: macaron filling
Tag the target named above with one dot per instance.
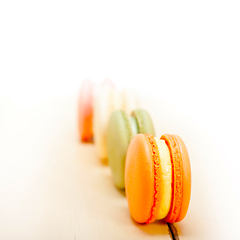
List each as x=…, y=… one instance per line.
x=165, y=179
x=134, y=125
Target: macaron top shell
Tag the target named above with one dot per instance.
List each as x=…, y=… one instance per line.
x=119, y=135
x=139, y=178
x=85, y=111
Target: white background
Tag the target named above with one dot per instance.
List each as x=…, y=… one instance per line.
x=186, y=52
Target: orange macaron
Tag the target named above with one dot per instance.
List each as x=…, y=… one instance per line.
x=85, y=111
x=88, y=92
x=157, y=178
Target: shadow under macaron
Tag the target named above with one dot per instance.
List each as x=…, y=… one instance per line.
x=156, y=228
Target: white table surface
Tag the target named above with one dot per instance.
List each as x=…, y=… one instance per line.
x=53, y=187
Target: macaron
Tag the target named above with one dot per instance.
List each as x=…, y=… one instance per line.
x=85, y=111
x=121, y=129
x=109, y=99
x=157, y=178
x=87, y=96
x=129, y=100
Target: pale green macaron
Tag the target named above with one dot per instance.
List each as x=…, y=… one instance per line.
x=121, y=129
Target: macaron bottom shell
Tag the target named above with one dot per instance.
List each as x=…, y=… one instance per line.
x=176, y=161
x=186, y=179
